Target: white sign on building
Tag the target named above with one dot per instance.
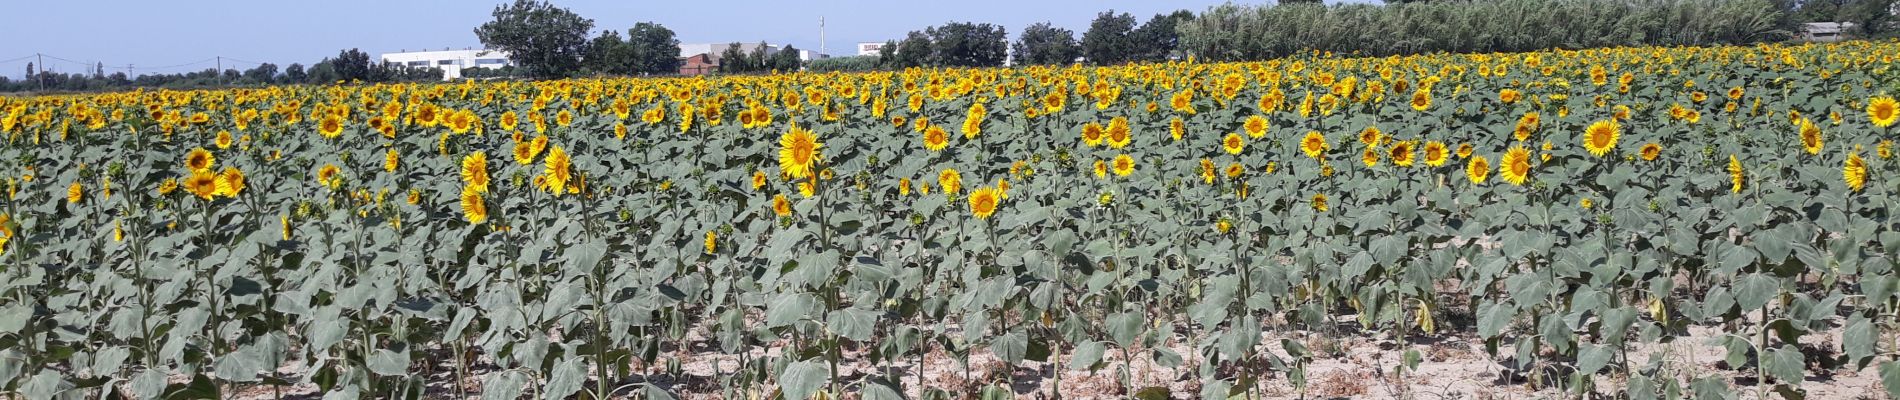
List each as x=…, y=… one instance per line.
x=452, y=62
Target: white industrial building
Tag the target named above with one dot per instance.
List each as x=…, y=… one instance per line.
x=452, y=62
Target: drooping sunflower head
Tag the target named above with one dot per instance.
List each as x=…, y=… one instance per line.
x=1370, y=157
x=1600, y=137
x=1854, y=171
x=1882, y=111
x=328, y=175
x=950, y=180
x=1651, y=151
x=798, y=152
x=75, y=193
x=1176, y=128
x=983, y=202
x=1233, y=143
x=1735, y=174
x=1422, y=99
x=1314, y=144
x=230, y=183
x=1515, y=167
x=1319, y=202
x=1477, y=169
x=475, y=171
x=1811, y=139
x=199, y=159
x=1436, y=153
x=473, y=209
x=1124, y=165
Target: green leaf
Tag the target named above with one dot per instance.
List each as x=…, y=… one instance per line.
x=389, y=363
x=852, y=323
x=1591, y=358
x=566, y=379
x=1755, y=290
x=1785, y=364
x=788, y=308
x=801, y=379
x=1087, y=355
x=1858, y=340
x=1010, y=347
x=1123, y=327
x=1890, y=378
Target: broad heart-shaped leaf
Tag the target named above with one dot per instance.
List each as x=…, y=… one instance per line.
x=1124, y=327
x=788, y=308
x=1754, y=291
x=1858, y=340
x=505, y=385
x=852, y=323
x=389, y=363
x=1086, y=355
x=1711, y=388
x=1616, y=324
x=1010, y=347
x=880, y=389
x=801, y=379
x=1591, y=357
x=1493, y=318
x=566, y=379
x=1785, y=364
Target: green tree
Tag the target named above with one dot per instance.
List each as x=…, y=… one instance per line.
x=294, y=73
x=1157, y=39
x=654, y=49
x=544, y=39
x=914, y=51
x=608, y=54
x=967, y=44
x=733, y=60
x=786, y=60
x=1107, y=41
x=1043, y=44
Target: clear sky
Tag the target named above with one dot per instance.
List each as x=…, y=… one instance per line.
x=178, y=36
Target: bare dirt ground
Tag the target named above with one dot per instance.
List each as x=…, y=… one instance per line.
x=1356, y=365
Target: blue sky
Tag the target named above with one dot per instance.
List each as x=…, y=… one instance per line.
x=180, y=36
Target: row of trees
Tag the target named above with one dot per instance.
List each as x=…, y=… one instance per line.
x=1254, y=32
x=547, y=41
x=736, y=60
x=348, y=65
x=1111, y=39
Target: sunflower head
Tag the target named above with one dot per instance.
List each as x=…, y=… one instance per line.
x=1811, y=139
x=473, y=209
x=798, y=152
x=1515, y=167
x=475, y=172
x=1882, y=111
x=1233, y=143
x=1436, y=153
x=1256, y=126
x=1854, y=171
x=1600, y=137
x=1402, y=154
x=1650, y=151
x=983, y=202
x=935, y=138
x=1314, y=144
x=199, y=159
x=1124, y=165
x=1477, y=169
x=950, y=180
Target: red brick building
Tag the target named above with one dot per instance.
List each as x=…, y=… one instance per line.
x=699, y=64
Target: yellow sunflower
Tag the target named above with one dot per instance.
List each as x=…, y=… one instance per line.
x=475, y=172
x=1314, y=144
x=1854, y=171
x=1207, y=171
x=559, y=171
x=935, y=138
x=1881, y=110
x=798, y=152
x=75, y=193
x=1124, y=165
x=1600, y=138
x=1370, y=158
x=1256, y=126
x=1422, y=99
x=472, y=207
x=391, y=160
x=224, y=140
x=1735, y=174
x=712, y=242
x=1811, y=139
x=1319, y=202
x=983, y=202
x=1401, y=154
x=1118, y=133
x=327, y=175
x=199, y=159
x=951, y=180
x=203, y=184
x=1651, y=151
x=230, y=183
x=1436, y=153
x=1515, y=166
x=330, y=127
x=1478, y=169
x=1233, y=143
x=781, y=206
x=1092, y=134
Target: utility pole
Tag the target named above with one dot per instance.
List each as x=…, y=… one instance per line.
x=220, y=70
x=41, y=74
x=821, y=35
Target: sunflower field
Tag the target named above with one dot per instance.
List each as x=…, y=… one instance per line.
x=823, y=235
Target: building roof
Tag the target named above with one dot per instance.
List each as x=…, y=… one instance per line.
x=1827, y=27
